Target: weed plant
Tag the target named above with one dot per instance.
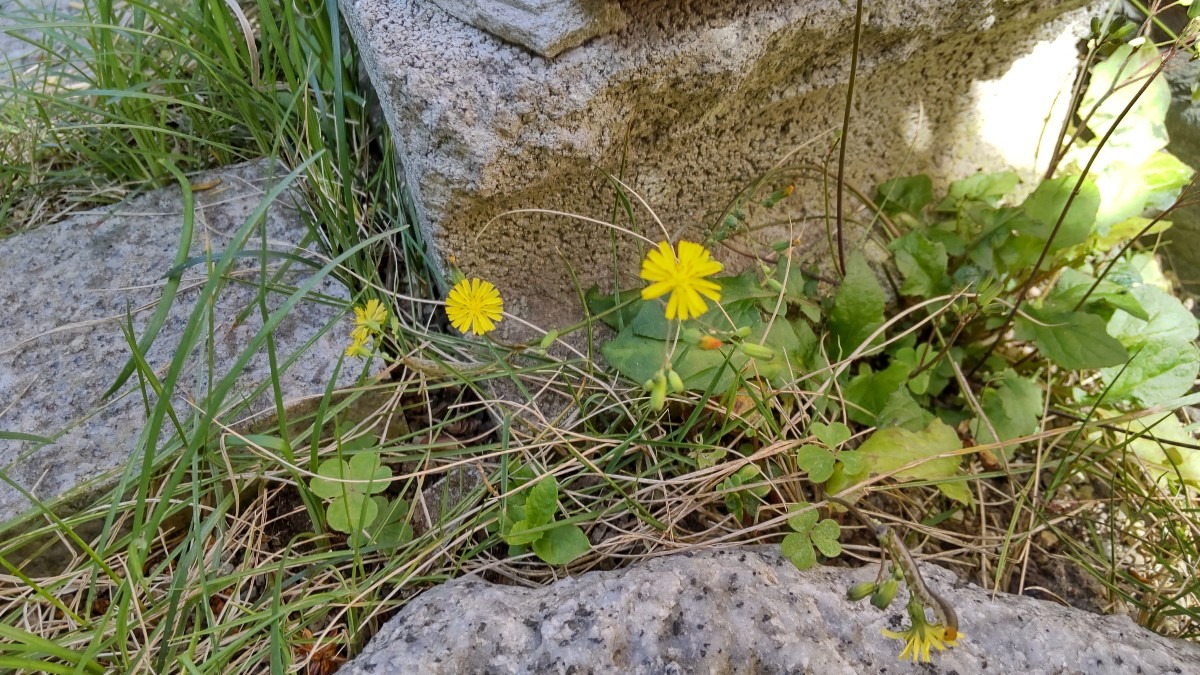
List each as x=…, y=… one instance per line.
x=1005, y=394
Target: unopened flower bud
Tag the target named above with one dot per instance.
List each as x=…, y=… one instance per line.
x=691, y=336
x=658, y=395
x=743, y=332
x=675, y=381
x=708, y=342
x=859, y=591
x=757, y=351
x=883, y=596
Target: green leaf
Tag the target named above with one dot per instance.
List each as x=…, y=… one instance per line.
x=1157, y=373
x=1112, y=88
x=887, y=450
x=910, y=194
x=988, y=188
x=832, y=435
x=362, y=475
x=806, y=517
x=598, y=303
x=799, y=549
x=351, y=513
x=825, y=537
x=1167, y=320
x=1013, y=406
x=922, y=263
x=637, y=358
x=816, y=461
x=542, y=502
x=1045, y=206
x=1072, y=340
x=857, y=307
x=1073, y=284
x=1132, y=190
x=561, y=545
x=519, y=534
x=1162, y=444
x=365, y=467
x=867, y=394
x=902, y=410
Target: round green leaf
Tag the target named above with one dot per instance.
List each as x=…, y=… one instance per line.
x=562, y=544
x=797, y=548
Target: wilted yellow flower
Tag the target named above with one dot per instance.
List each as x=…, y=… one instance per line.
x=683, y=276
x=474, y=306
x=922, y=635
x=357, y=348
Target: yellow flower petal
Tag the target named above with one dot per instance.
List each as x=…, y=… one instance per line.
x=683, y=276
x=474, y=306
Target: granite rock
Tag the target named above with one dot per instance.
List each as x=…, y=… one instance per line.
x=66, y=290
x=743, y=611
x=690, y=103
x=546, y=27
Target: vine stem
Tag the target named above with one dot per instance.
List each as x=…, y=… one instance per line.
x=841, y=223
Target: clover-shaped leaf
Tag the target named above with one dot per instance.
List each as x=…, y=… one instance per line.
x=815, y=460
x=798, y=546
x=348, y=486
x=799, y=549
x=362, y=474
x=825, y=537
x=831, y=435
x=389, y=528
x=351, y=513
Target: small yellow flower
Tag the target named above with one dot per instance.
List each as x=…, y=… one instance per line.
x=683, y=276
x=474, y=306
x=357, y=348
x=370, y=317
x=923, y=635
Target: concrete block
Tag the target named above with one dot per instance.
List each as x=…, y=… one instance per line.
x=690, y=103
x=546, y=27
x=66, y=289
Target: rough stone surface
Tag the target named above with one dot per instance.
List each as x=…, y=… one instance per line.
x=15, y=51
x=66, y=288
x=743, y=611
x=547, y=27
x=690, y=103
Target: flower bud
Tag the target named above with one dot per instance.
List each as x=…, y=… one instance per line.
x=883, y=596
x=709, y=343
x=691, y=336
x=658, y=395
x=743, y=332
x=675, y=381
x=859, y=591
x=648, y=385
x=757, y=351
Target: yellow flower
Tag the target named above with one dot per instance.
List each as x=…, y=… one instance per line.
x=370, y=317
x=474, y=306
x=923, y=635
x=682, y=276
x=357, y=348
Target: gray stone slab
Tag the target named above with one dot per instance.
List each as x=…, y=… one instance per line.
x=66, y=288
x=743, y=611
x=547, y=27
x=696, y=100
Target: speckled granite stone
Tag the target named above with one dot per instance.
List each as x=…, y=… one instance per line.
x=690, y=102
x=65, y=289
x=743, y=611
